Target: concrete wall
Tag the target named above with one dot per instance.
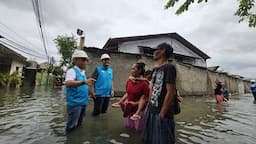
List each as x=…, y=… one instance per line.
x=191, y=80
x=120, y=63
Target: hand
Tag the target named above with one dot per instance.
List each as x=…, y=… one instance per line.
x=90, y=81
x=126, y=102
x=112, y=93
x=161, y=115
x=132, y=78
x=93, y=96
x=180, y=98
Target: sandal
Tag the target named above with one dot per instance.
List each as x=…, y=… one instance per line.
x=135, y=117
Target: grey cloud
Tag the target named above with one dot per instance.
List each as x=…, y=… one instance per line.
x=212, y=26
x=18, y=4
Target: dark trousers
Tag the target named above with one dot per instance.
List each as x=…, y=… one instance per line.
x=75, y=117
x=254, y=95
x=157, y=130
x=100, y=105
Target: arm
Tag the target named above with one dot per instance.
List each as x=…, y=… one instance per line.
x=91, y=87
x=169, y=97
x=112, y=91
x=91, y=91
x=141, y=104
x=73, y=83
x=170, y=80
x=122, y=100
x=133, y=78
x=144, y=98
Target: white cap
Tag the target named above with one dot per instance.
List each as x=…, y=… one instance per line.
x=79, y=54
x=105, y=56
x=252, y=80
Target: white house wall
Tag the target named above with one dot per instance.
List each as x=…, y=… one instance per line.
x=178, y=48
x=200, y=62
x=16, y=64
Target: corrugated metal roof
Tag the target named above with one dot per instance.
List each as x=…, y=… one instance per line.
x=9, y=49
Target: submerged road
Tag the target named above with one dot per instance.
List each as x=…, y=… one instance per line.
x=37, y=115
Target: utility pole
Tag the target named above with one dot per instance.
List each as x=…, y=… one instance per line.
x=81, y=35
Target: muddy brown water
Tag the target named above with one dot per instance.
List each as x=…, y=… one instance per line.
x=37, y=115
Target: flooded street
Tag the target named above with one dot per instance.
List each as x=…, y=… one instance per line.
x=37, y=115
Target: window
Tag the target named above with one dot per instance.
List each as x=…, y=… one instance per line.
x=146, y=50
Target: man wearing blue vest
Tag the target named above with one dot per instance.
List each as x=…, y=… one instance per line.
x=103, y=86
x=253, y=88
x=77, y=90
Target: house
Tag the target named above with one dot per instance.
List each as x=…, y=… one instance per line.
x=184, y=51
x=44, y=65
x=10, y=61
x=213, y=68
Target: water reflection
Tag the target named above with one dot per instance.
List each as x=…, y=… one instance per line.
x=37, y=115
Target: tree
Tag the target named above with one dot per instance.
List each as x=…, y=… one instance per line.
x=246, y=9
x=66, y=45
x=57, y=71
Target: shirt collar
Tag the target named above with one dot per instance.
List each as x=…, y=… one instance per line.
x=104, y=68
x=81, y=70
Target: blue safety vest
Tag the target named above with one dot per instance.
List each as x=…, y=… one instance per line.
x=253, y=88
x=77, y=96
x=103, y=84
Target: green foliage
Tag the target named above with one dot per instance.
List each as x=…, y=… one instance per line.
x=4, y=78
x=15, y=78
x=244, y=11
x=7, y=79
x=57, y=71
x=66, y=45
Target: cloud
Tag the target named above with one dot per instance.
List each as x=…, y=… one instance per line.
x=210, y=26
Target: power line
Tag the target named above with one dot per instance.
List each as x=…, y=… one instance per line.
x=36, y=9
x=17, y=34
x=40, y=5
x=16, y=48
x=22, y=47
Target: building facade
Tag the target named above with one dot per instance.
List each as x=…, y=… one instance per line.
x=184, y=51
x=10, y=61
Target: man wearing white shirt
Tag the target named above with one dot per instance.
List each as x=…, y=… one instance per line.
x=77, y=90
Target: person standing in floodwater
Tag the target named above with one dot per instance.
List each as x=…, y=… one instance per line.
x=159, y=117
x=225, y=93
x=77, y=90
x=103, y=87
x=137, y=91
x=253, y=88
x=217, y=92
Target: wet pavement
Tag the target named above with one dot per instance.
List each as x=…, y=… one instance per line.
x=37, y=115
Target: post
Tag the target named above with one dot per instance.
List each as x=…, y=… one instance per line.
x=81, y=45
x=80, y=33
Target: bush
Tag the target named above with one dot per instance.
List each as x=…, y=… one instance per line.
x=10, y=79
x=4, y=78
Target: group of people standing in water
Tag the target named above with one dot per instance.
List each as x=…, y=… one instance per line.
x=221, y=92
x=147, y=105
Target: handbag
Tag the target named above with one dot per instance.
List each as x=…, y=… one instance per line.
x=177, y=108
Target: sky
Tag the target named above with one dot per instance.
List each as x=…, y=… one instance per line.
x=212, y=26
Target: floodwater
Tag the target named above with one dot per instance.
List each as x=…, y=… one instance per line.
x=37, y=115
